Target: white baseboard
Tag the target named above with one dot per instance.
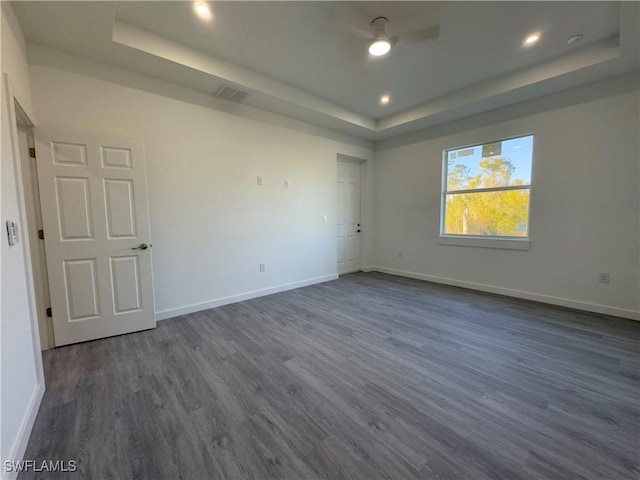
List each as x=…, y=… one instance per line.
x=197, y=307
x=24, y=432
x=563, y=302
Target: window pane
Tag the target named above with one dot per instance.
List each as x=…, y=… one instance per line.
x=498, y=164
x=503, y=213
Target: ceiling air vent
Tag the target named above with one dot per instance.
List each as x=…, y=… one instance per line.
x=227, y=92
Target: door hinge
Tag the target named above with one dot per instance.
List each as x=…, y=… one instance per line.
x=49, y=312
x=41, y=234
x=32, y=152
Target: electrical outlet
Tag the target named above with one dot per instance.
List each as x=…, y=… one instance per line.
x=399, y=254
x=261, y=267
x=286, y=184
x=259, y=180
x=604, y=277
x=324, y=219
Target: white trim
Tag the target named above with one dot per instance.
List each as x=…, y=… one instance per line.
x=12, y=101
x=24, y=432
x=350, y=159
x=351, y=271
x=537, y=297
x=488, y=189
x=510, y=243
x=484, y=241
x=33, y=214
x=197, y=307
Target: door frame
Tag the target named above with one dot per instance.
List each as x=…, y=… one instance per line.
x=18, y=118
x=365, y=210
x=33, y=211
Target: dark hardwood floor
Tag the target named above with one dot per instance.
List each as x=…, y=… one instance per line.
x=369, y=376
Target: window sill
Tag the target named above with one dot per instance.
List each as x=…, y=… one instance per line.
x=483, y=242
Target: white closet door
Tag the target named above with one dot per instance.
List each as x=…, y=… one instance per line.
x=348, y=217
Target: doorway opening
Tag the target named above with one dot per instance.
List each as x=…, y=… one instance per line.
x=348, y=215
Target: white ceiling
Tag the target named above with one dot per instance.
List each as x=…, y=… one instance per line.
x=309, y=60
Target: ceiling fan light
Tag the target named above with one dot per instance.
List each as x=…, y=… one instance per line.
x=379, y=47
x=202, y=9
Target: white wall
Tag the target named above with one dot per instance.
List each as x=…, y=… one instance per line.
x=211, y=225
x=14, y=54
x=584, y=202
x=21, y=385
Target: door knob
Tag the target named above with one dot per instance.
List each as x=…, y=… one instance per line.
x=142, y=246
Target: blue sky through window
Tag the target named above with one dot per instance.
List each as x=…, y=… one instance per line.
x=518, y=150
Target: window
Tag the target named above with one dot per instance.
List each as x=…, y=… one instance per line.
x=485, y=194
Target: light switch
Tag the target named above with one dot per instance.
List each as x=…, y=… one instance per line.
x=286, y=184
x=259, y=180
x=324, y=219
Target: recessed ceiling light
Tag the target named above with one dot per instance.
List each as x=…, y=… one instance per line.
x=385, y=99
x=575, y=38
x=531, y=39
x=203, y=10
x=380, y=47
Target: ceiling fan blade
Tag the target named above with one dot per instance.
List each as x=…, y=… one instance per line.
x=355, y=36
x=352, y=47
x=361, y=33
x=347, y=21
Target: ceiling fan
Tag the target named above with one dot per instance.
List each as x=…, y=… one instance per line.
x=381, y=42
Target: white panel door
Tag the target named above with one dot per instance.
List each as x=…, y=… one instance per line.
x=348, y=217
x=96, y=227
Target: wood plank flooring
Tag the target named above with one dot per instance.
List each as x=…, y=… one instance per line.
x=369, y=376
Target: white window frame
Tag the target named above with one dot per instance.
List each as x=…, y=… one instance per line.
x=484, y=241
